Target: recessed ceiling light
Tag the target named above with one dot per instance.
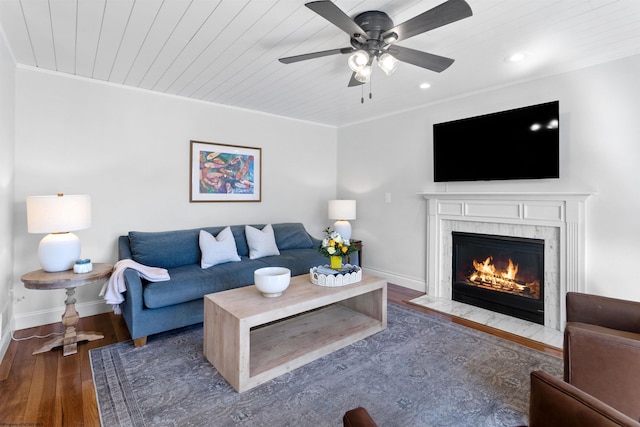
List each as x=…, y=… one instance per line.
x=425, y=85
x=516, y=57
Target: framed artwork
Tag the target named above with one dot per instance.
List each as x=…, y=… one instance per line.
x=225, y=173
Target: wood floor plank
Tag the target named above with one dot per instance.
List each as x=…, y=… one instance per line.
x=17, y=387
x=7, y=362
x=90, y=414
x=90, y=323
x=71, y=404
x=55, y=390
x=37, y=389
x=48, y=391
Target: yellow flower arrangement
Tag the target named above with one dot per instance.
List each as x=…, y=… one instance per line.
x=334, y=245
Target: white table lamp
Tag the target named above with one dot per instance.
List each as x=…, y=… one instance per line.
x=342, y=211
x=58, y=215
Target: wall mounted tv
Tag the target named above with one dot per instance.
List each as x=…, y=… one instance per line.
x=515, y=144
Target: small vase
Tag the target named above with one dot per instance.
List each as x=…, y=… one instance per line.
x=336, y=262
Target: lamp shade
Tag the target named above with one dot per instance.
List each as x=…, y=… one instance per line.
x=58, y=214
x=342, y=209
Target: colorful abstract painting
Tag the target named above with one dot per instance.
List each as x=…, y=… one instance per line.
x=224, y=172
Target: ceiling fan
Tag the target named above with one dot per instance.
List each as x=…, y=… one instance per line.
x=373, y=35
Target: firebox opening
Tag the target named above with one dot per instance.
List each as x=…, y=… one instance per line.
x=499, y=273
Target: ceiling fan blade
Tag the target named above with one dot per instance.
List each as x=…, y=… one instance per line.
x=443, y=14
x=353, y=82
x=421, y=59
x=304, y=57
x=332, y=13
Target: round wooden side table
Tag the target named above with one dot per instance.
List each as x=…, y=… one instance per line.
x=42, y=280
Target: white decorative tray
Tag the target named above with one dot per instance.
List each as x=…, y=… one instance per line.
x=323, y=278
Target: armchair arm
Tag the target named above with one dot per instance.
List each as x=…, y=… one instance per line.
x=604, y=363
x=358, y=417
x=133, y=304
x=124, y=248
x=603, y=311
x=556, y=403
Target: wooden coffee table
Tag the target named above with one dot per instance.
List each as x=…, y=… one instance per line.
x=251, y=339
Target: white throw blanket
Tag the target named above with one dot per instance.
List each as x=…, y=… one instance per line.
x=113, y=289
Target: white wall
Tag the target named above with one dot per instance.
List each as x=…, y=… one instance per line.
x=7, y=99
x=129, y=150
x=600, y=152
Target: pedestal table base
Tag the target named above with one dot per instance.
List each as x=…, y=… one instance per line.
x=71, y=337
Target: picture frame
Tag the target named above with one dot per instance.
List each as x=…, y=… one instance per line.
x=225, y=173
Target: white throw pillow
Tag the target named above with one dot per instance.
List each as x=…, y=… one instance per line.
x=219, y=249
x=261, y=242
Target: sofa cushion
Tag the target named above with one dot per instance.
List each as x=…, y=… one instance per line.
x=261, y=243
x=219, y=249
x=238, y=235
x=190, y=282
x=292, y=236
x=165, y=249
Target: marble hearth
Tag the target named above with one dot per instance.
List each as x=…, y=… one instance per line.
x=523, y=328
x=557, y=218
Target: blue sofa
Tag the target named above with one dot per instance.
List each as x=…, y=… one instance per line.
x=153, y=307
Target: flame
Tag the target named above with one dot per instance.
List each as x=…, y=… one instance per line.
x=487, y=273
x=487, y=268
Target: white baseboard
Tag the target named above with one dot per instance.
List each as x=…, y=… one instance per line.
x=5, y=327
x=4, y=344
x=408, y=282
x=54, y=315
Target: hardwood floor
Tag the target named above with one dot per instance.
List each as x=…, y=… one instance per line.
x=50, y=390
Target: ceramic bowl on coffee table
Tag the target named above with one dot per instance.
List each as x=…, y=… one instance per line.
x=272, y=281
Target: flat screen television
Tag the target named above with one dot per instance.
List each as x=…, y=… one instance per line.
x=522, y=143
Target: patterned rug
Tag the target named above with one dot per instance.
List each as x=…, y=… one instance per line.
x=420, y=371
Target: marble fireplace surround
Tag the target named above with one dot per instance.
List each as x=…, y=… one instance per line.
x=557, y=218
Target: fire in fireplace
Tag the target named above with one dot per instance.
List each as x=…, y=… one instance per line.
x=500, y=273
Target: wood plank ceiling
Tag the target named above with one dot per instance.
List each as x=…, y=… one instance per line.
x=227, y=51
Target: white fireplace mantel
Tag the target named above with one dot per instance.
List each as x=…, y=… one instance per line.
x=564, y=211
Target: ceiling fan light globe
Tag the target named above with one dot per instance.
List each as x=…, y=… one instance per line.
x=363, y=75
x=390, y=38
x=387, y=63
x=358, y=60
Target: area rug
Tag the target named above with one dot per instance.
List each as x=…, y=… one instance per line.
x=420, y=371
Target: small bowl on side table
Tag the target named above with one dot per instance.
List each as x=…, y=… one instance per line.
x=272, y=281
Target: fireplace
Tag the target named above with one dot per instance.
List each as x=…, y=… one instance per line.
x=557, y=218
x=500, y=273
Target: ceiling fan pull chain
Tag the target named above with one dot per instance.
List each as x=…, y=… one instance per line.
x=362, y=96
x=370, y=90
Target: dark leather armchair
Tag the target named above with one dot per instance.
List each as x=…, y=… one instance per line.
x=555, y=403
x=358, y=417
x=602, y=350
